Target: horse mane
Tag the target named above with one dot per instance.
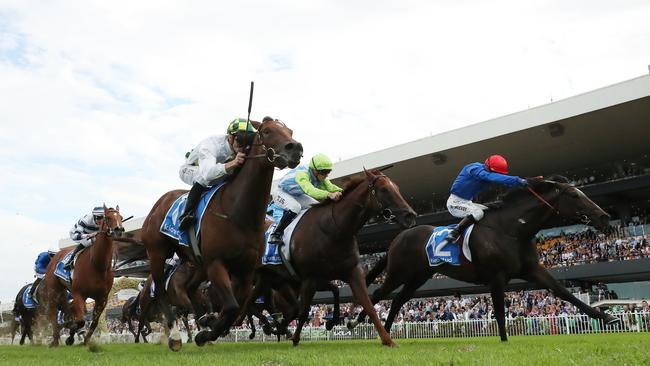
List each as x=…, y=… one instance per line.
x=541, y=186
x=350, y=185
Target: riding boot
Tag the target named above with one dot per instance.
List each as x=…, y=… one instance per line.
x=77, y=249
x=188, y=218
x=276, y=236
x=454, y=234
x=33, y=289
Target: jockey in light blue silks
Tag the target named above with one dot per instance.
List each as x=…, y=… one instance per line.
x=300, y=188
x=40, y=266
x=473, y=179
x=83, y=231
x=210, y=161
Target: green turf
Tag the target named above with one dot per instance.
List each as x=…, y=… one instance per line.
x=598, y=349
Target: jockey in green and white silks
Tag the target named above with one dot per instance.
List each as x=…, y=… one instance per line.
x=212, y=160
x=300, y=188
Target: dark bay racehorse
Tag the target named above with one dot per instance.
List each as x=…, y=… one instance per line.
x=324, y=246
x=502, y=248
x=27, y=316
x=93, y=278
x=232, y=234
x=183, y=303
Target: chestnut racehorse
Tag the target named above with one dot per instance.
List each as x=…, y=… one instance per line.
x=93, y=278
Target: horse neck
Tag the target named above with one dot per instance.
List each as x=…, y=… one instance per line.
x=533, y=213
x=101, y=253
x=352, y=212
x=250, y=190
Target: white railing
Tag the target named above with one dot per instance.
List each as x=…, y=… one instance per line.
x=544, y=325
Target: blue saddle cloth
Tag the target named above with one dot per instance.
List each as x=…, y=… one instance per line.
x=440, y=251
x=28, y=302
x=171, y=222
x=272, y=251
x=61, y=272
x=167, y=276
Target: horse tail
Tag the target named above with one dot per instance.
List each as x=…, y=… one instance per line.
x=376, y=270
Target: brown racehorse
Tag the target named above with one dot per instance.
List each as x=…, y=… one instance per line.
x=324, y=246
x=93, y=278
x=232, y=234
x=501, y=245
x=178, y=297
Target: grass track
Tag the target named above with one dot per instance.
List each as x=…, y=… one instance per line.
x=597, y=349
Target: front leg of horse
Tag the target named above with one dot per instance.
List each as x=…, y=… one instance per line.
x=78, y=322
x=221, y=284
x=97, y=312
x=187, y=328
x=497, y=290
x=360, y=291
x=542, y=277
x=252, y=325
x=307, y=291
x=337, y=307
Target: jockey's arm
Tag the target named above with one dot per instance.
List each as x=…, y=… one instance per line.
x=331, y=187
x=503, y=179
x=302, y=178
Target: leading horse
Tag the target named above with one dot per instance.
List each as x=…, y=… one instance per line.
x=232, y=230
x=324, y=245
x=93, y=278
x=502, y=248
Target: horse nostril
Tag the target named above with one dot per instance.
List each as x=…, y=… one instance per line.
x=289, y=146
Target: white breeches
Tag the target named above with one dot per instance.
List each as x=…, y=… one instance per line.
x=294, y=204
x=460, y=207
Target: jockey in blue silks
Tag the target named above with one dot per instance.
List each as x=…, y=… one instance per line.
x=473, y=179
x=40, y=266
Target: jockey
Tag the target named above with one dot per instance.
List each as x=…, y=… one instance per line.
x=212, y=160
x=40, y=266
x=473, y=179
x=300, y=188
x=83, y=231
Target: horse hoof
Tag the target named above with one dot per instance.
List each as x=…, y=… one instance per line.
x=201, y=338
x=69, y=341
x=391, y=344
x=611, y=320
x=329, y=325
x=296, y=341
x=289, y=335
x=205, y=320
x=267, y=330
x=251, y=336
x=189, y=340
x=53, y=344
x=174, y=345
x=351, y=324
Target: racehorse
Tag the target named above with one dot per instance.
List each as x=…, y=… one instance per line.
x=93, y=278
x=178, y=297
x=27, y=317
x=232, y=230
x=324, y=246
x=502, y=248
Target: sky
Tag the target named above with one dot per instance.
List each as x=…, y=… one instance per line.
x=100, y=100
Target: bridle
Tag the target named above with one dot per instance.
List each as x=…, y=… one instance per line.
x=581, y=217
x=107, y=230
x=269, y=152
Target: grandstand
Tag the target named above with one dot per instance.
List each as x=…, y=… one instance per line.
x=598, y=139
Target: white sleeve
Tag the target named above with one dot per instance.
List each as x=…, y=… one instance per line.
x=212, y=153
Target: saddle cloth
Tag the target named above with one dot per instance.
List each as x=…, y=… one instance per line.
x=171, y=222
x=271, y=253
x=441, y=251
x=28, y=302
x=166, y=279
x=61, y=272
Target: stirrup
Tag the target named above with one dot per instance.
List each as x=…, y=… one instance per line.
x=277, y=240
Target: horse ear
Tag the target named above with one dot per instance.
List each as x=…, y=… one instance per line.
x=117, y=208
x=386, y=168
x=365, y=171
x=104, y=206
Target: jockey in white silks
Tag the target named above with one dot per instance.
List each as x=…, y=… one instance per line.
x=83, y=231
x=211, y=161
x=300, y=188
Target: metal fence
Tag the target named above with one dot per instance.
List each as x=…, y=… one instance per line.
x=544, y=325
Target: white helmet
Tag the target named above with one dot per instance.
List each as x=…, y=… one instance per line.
x=53, y=249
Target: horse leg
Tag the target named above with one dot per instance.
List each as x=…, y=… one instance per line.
x=380, y=293
x=78, y=322
x=405, y=295
x=51, y=314
x=307, y=291
x=337, y=307
x=221, y=284
x=541, y=276
x=187, y=327
x=290, y=297
x=259, y=287
x=97, y=312
x=23, y=331
x=497, y=290
x=252, y=325
x=357, y=283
